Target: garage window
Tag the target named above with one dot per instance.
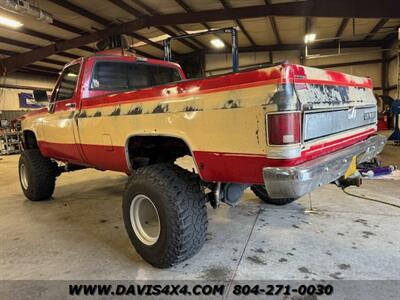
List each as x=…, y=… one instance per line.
x=119, y=76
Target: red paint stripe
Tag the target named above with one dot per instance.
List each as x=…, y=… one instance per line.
x=102, y=158
x=327, y=82
x=298, y=74
x=97, y=156
x=230, y=168
x=61, y=151
x=213, y=166
x=242, y=168
x=322, y=148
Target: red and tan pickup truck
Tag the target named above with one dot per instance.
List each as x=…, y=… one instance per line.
x=284, y=131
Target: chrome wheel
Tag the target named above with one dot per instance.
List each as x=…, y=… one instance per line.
x=23, y=175
x=145, y=220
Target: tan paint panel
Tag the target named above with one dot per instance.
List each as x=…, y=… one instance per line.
x=227, y=121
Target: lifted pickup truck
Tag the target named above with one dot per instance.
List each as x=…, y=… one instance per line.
x=283, y=130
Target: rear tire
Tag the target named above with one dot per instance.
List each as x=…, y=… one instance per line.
x=170, y=197
x=261, y=192
x=37, y=175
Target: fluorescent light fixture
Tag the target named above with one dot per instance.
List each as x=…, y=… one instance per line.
x=309, y=38
x=217, y=43
x=10, y=23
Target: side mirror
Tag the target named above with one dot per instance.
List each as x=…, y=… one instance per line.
x=40, y=96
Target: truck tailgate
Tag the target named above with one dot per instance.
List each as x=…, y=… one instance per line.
x=333, y=102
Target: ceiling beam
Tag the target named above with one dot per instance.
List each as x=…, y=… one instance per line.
x=227, y=6
x=376, y=28
x=38, y=72
x=389, y=39
x=61, y=25
x=52, y=38
x=61, y=63
x=54, y=62
x=308, y=25
x=188, y=9
x=342, y=27
x=321, y=8
x=275, y=29
x=33, y=47
x=290, y=47
x=48, y=37
x=58, y=24
x=146, y=41
x=7, y=52
x=45, y=60
x=164, y=29
x=185, y=42
x=91, y=16
x=81, y=11
x=67, y=27
x=274, y=26
x=64, y=54
x=43, y=69
x=17, y=43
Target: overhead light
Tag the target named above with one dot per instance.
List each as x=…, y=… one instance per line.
x=10, y=23
x=217, y=43
x=309, y=38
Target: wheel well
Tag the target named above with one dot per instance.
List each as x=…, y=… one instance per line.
x=29, y=140
x=148, y=150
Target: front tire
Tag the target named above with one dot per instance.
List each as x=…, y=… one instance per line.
x=37, y=175
x=165, y=214
x=261, y=192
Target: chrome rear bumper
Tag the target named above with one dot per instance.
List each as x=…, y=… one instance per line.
x=294, y=182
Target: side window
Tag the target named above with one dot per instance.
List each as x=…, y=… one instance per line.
x=67, y=83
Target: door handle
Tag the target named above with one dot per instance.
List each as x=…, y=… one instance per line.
x=70, y=105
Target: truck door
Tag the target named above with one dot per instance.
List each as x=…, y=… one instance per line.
x=59, y=126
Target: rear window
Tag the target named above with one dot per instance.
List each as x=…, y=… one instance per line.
x=117, y=76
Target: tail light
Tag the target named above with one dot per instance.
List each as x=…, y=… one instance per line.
x=284, y=128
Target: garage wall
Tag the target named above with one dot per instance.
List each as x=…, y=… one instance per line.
x=9, y=100
x=216, y=62
x=372, y=70
x=222, y=63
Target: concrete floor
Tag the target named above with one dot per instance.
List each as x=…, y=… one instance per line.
x=80, y=234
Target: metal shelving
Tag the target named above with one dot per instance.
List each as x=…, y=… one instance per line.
x=9, y=142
